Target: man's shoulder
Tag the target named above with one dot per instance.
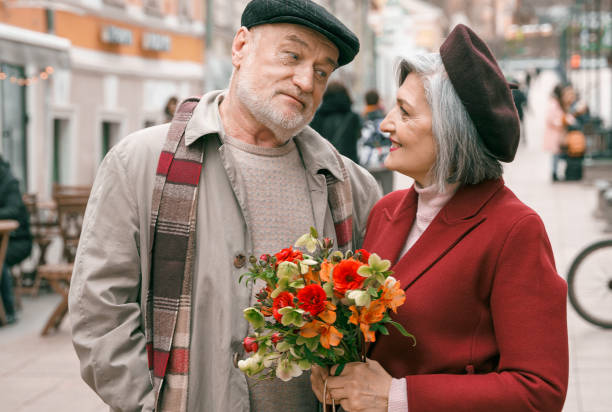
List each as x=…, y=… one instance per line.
x=149, y=138
x=142, y=145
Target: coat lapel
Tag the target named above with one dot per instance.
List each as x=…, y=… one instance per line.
x=455, y=221
x=394, y=227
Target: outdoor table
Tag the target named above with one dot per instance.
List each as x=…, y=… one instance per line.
x=6, y=227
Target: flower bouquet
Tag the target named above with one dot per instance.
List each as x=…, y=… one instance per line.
x=317, y=308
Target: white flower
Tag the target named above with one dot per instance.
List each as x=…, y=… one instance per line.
x=361, y=297
x=287, y=270
x=307, y=241
x=251, y=366
x=287, y=369
x=390, y=281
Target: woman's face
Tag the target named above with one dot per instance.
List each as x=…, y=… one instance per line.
x=413, y=149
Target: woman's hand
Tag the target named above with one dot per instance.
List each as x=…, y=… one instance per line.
x=360, y=387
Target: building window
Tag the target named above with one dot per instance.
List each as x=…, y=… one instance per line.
x=114, y=3
x=61, y=155
x=13, y=120
x=152, y=7
x=110, y=136
x=184, y=11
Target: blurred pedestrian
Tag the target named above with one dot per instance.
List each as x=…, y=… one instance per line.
x=483, y=297
x=20, y=241
x=558, y=118
x=155, y=304
x=336, y=121
x=170, y=108
x=373, y=146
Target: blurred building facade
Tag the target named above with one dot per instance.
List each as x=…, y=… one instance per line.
x=78, y=75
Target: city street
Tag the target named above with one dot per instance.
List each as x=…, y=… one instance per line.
x=42, y=373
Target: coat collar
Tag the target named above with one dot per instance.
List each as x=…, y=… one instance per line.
x=456, y=220
x=313, y=148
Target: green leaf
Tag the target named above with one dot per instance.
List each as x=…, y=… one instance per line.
x=401, y=330
x=382, y=329
x=254, y=317
x=313, y=232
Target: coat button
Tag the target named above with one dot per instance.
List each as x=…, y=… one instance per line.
x=239, y=261
x=235, y=359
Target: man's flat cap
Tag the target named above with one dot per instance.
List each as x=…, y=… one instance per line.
x=483, y=90
x=305, y=13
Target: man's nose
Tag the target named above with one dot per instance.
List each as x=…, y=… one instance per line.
x=304, y=79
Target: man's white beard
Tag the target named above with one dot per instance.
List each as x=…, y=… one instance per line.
x=283, y=126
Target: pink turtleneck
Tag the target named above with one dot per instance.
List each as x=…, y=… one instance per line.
x=430, y=202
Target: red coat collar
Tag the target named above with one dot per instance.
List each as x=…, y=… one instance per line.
x=456, y=220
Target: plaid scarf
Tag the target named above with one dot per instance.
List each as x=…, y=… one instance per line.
x=173, y=221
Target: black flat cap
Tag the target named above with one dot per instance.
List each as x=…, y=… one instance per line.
x=483, y=90
x=305, y=13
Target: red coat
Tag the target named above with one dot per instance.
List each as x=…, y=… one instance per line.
x=483, y=299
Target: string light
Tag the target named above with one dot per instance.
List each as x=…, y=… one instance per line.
x=29, y=81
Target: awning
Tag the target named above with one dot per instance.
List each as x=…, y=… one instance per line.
x=20, y=47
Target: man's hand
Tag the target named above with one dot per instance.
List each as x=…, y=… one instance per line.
x=361, y=386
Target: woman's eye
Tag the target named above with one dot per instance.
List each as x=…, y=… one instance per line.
x=404, y=112
x=322, y=73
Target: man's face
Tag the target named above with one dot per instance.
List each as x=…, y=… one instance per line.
x=283, y=74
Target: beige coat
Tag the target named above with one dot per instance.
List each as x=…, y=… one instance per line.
x=111, y=274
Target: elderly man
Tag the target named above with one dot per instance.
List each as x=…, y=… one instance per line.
x=176, y=210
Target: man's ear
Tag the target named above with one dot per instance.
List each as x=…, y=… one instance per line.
x=243, y=41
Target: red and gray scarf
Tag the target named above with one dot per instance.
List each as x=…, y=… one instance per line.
x=172, y=248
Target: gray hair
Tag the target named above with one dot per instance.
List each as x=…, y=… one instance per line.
x=461, y=155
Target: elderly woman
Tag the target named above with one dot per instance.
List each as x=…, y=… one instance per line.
x=483, y=297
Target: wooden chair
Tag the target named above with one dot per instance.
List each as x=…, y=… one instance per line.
x=44, y=229
x=6, y=227
x=70, y=213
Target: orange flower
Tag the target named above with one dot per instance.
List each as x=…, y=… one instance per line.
x=328, y=335
x=368, y=315
x=311, y=277
x=325, y=272
x=329, y=314
x=392, y=297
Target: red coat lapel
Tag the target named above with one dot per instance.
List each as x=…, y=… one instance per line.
x=457, y=219
x=393, y=227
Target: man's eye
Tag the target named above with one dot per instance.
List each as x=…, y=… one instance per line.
x=404, y=112
x=292, y=56
x=322, y=74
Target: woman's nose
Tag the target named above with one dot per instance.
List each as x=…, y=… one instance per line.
x=386, y=125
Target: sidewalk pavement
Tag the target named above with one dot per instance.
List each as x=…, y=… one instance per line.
x=42, y=373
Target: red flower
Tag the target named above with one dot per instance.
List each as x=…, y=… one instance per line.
x=365, y=255
x=346, y=278
x=250, y=344
x=276, y=337
x=288, y=255
x=312, y=299
x=282, y=300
